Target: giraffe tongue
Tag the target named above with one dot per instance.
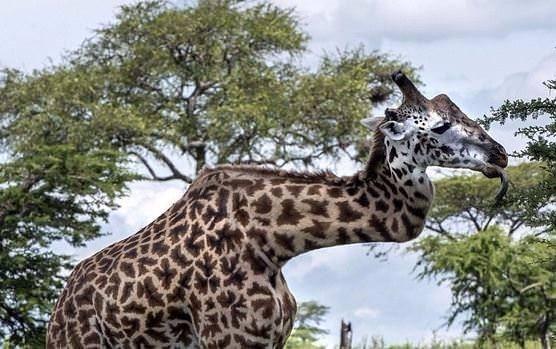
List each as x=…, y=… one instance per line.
x=492, y=171
x=503, y=187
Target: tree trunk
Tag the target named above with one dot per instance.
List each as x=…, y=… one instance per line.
x=345, y=335
x=546, y=321
x=200, y=158
x=545, y=339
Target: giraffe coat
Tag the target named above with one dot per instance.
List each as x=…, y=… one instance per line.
x=206, y=273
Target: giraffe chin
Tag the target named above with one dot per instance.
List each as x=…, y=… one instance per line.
x=493, y=171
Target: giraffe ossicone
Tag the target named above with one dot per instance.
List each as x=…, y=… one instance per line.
x=207, y=272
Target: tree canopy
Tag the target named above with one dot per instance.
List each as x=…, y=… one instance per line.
x=499, y=268
x=539, y=129
x=464, y=203
x=222, y=82
x=58, y=182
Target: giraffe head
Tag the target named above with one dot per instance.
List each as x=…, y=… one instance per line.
x=425, y=132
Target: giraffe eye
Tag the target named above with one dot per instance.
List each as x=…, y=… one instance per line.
x=441, y=129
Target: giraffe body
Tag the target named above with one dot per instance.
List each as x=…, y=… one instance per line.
x=207, y=272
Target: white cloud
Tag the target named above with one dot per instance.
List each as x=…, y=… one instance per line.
x=521, y=85
x=32, y=31
x=333, y=259
x=423, y=20
x=527, y=84
x=147, y=201
x=367, y=313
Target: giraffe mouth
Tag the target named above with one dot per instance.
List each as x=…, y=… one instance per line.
x=493, y=171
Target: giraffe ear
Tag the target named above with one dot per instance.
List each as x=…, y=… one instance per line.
x=395, y=130
x=372, y=122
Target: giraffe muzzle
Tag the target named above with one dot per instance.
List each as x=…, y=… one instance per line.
x=498, y=155
x=497, y=160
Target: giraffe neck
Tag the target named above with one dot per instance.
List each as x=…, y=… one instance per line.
x=386, y=202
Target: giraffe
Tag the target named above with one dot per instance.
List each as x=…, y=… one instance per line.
x=207, y=272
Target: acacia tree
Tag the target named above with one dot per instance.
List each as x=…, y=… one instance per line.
x=541, y=146
x=539, y=118
x=170, y=88
x=499, y=268
x=219, y=82
x=58, y=182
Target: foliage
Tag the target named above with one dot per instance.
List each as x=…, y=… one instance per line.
x=502, y=288
x=377, y=342
x=539, y=114
x=539, y=117
x=58, y=182
x=464, y=203
x=501, y=277
x=307, y=330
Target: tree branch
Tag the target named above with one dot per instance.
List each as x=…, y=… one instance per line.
x=438, y=228
x=486, y=225
x=25, y=186
x=473, y=219
x=176, y=174
x=516, y=224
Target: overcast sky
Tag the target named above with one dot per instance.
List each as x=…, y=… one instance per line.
x=479, y=52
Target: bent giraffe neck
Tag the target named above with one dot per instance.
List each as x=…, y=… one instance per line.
x=386, y=203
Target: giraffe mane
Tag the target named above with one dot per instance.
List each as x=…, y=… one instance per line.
x=376, y=160
x=378, y=154
x=324, y=176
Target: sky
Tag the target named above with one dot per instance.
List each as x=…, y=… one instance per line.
x=478, y=52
